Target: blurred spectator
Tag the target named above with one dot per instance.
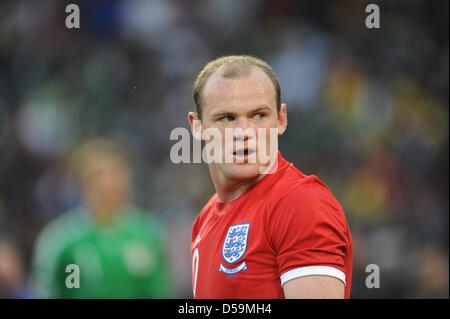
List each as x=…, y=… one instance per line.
x=12, y=272
x=118, y=248
x=432, y=273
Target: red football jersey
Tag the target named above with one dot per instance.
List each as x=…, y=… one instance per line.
x=286, y=226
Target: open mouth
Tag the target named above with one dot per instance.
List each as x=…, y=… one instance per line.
x=243, y=152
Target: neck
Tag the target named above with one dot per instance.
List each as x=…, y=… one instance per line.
x=103, y=214
x=230, y=189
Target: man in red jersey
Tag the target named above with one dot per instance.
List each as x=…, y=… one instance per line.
x=277, y=235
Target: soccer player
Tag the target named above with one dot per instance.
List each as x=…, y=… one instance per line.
x=277, y=235
x=118, y=248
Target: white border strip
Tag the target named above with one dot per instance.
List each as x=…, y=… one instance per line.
x=312, y=271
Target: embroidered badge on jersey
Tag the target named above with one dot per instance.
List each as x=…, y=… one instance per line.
x=234, y=247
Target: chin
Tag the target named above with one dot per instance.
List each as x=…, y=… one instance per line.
x=240, y=171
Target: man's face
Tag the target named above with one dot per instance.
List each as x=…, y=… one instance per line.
x=246, y=103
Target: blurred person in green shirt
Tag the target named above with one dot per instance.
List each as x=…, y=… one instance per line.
x=118, y=250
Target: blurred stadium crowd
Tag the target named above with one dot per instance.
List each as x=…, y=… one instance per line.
x=368, y=114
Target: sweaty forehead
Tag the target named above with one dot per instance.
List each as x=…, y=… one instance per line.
x=244, y=87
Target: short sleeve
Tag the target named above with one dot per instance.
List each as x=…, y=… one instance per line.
x=309, y=233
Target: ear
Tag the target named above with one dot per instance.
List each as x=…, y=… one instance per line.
x=282, y=119
x=196, y=125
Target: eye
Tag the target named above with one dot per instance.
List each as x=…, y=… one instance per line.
x=260, y=116
x=227, y=118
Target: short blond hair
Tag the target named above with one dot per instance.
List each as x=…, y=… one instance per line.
x=233, y=66
x=89, y=151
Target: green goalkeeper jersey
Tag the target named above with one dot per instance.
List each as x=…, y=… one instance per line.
x=122, y=259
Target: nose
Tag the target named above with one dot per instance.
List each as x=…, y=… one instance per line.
x=242, y=131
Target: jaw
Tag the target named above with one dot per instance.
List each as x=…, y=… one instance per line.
x=237, y=172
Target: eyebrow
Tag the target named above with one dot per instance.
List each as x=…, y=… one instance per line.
x=223, y=114
x=261, y=108
x=258, y=109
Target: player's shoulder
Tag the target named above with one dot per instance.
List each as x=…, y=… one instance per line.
x=68, y=224
x=62, y=231
x=144, y=223
x=303, y=195
x=293, y=183
x=140, y=217
x=206, y=210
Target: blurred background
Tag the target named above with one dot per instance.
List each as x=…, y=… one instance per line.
x=368, y=114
